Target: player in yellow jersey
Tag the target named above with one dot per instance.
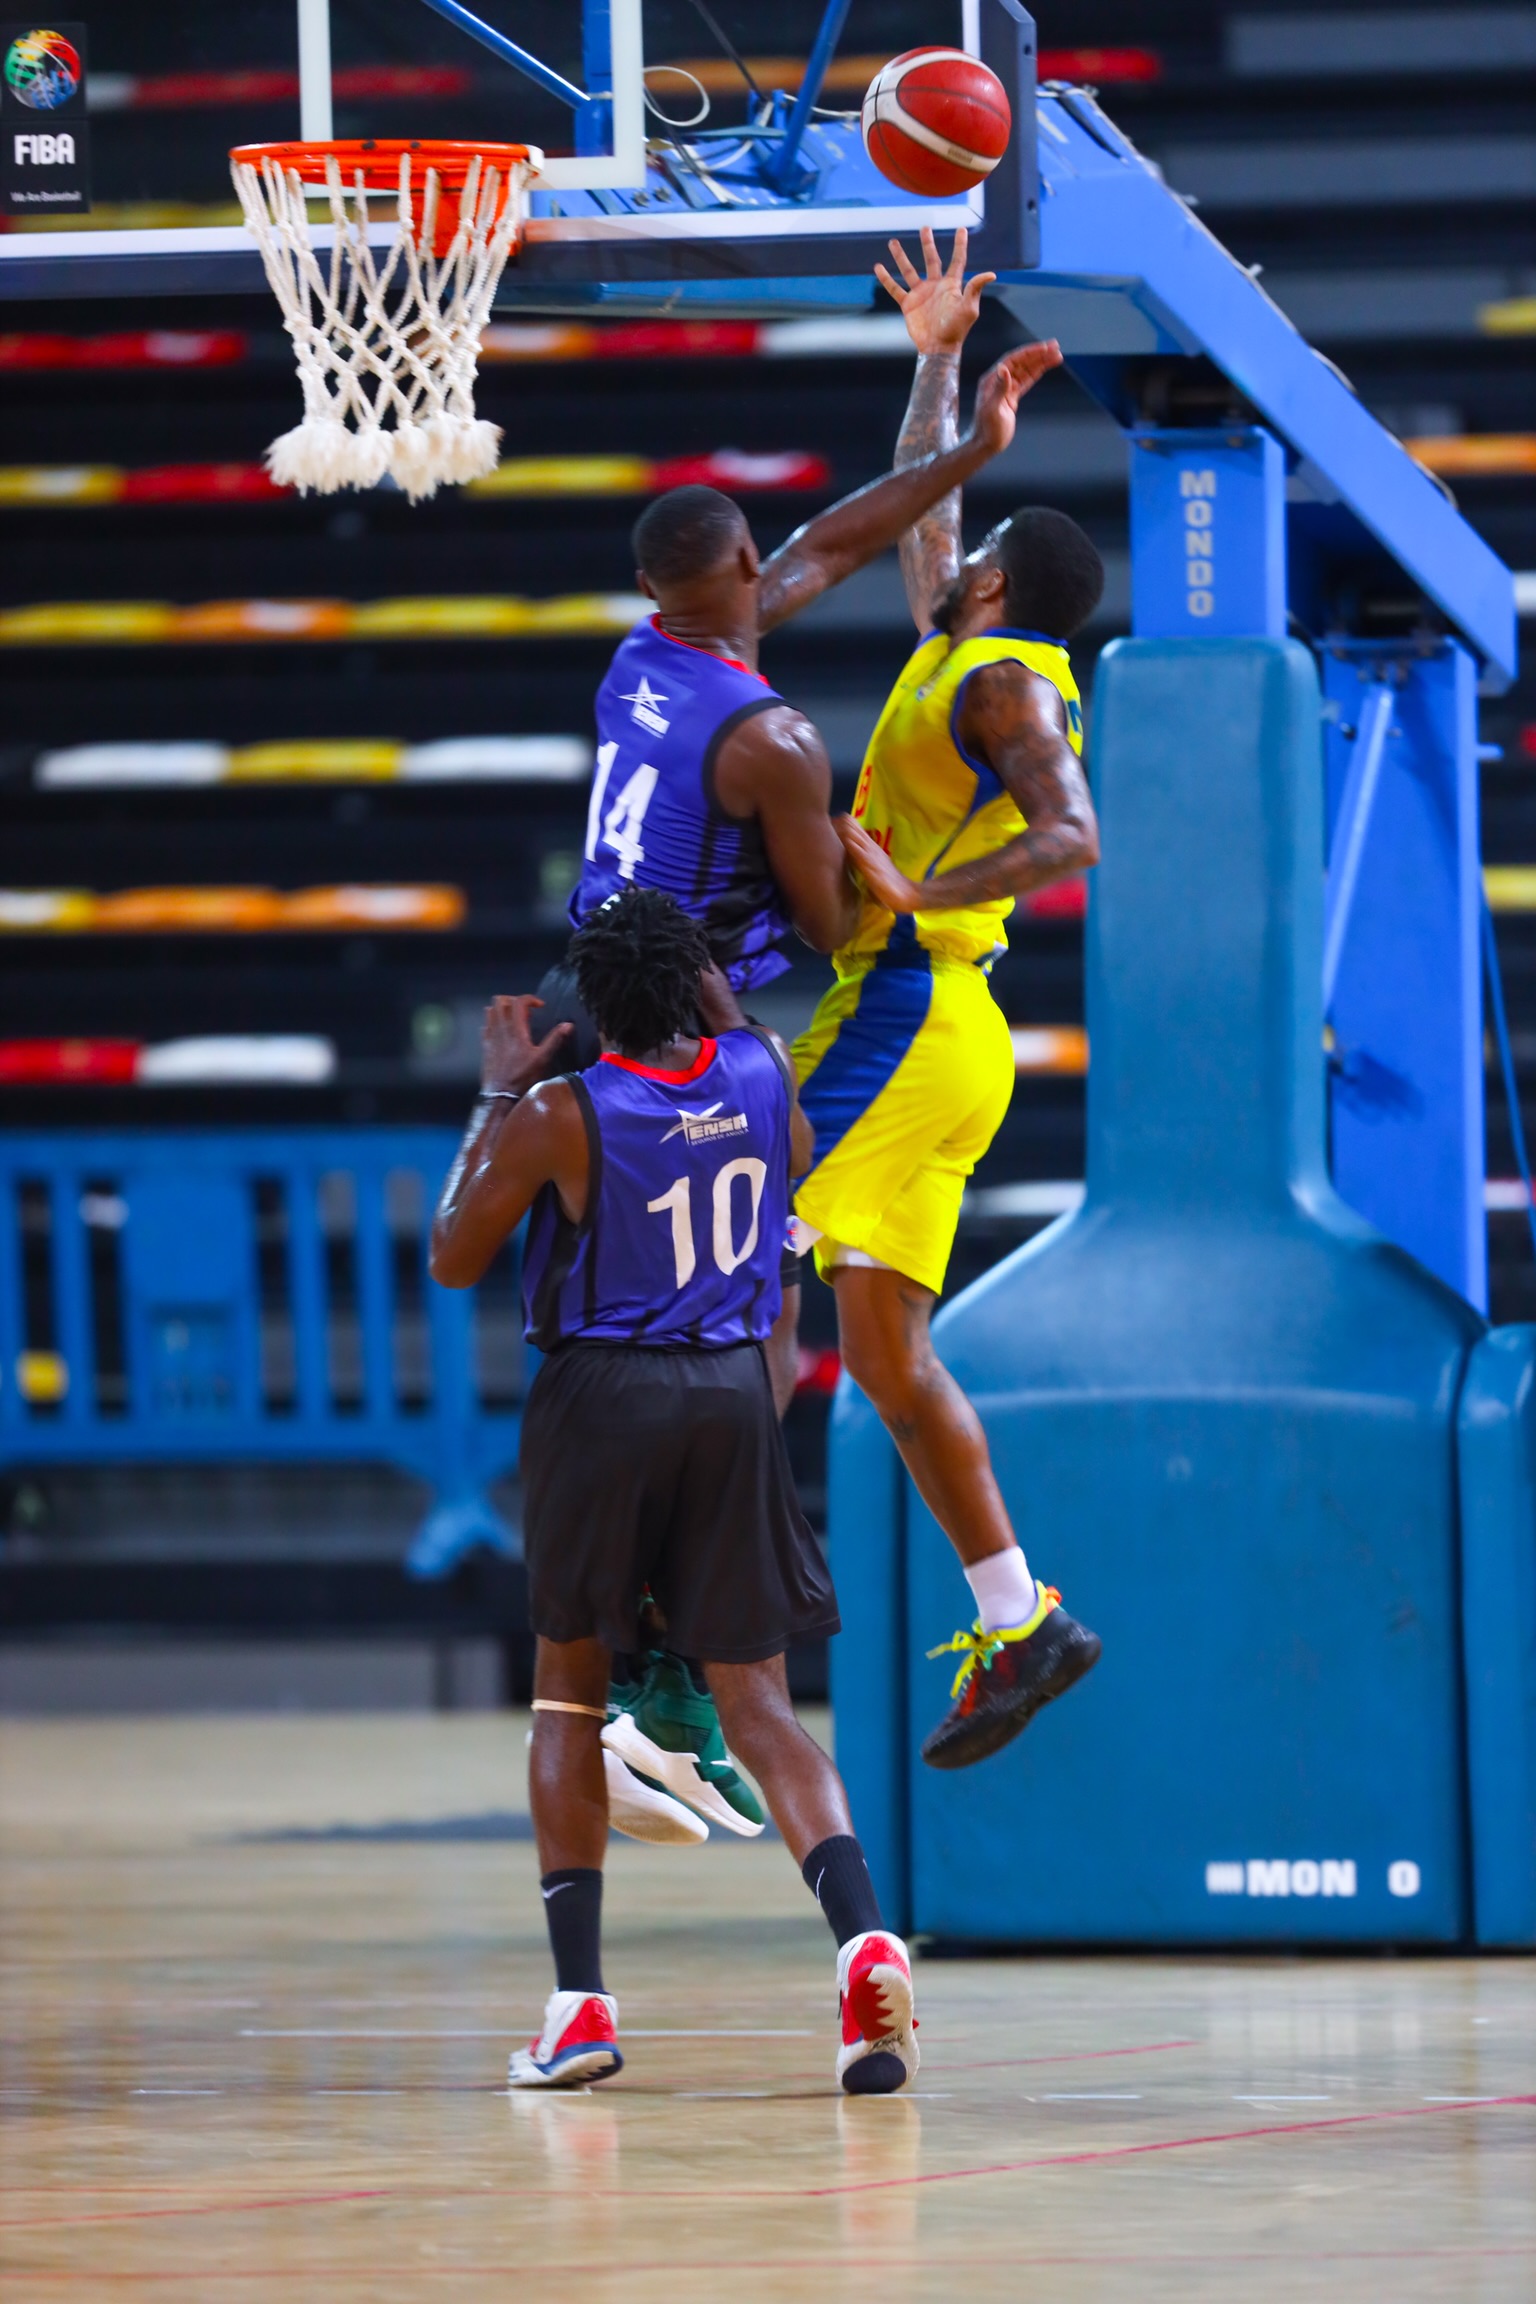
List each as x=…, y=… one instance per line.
x=972, y=791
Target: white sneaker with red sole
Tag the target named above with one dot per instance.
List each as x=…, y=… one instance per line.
x=579, y=2043
x=878, y=2050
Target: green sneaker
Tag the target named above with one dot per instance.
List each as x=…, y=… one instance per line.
x=667, y=1732
x=639, y=1807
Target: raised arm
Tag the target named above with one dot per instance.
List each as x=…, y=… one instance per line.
x=1013, y=720
x=521, y=1136
x=940, y=307
x=775, y=767
x=861, y=526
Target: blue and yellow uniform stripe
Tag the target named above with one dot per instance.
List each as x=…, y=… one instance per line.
x=906, y=1068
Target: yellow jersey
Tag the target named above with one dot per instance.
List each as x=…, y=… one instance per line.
x=931, y=805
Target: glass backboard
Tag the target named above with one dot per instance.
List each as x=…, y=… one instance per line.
x=686, y=165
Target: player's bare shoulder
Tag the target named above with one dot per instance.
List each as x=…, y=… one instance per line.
x=776, y=747
x=552, y=1107
x=1007, y=700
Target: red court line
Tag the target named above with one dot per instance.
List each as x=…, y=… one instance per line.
x=1163, y=2144
x=428, y=2193
x=1078, y=2056
x=207, y=2208
x=829, y=2261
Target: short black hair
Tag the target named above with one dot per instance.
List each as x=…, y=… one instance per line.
x=638, y=961
x=1055, y=576
x=684, y=534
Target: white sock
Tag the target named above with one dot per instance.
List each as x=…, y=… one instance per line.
x=1004, y=1590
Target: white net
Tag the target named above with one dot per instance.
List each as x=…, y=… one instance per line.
x=387, y=337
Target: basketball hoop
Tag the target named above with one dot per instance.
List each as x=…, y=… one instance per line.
x=387, y=337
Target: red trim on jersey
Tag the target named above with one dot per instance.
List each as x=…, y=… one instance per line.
x=734, y=662
x=695, y=1071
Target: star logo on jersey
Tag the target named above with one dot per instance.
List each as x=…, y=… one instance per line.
x=645, y=699
x=706, y=1127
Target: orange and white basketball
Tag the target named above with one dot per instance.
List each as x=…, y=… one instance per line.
x=936, y=121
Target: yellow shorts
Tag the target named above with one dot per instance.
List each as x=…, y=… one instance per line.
x=905, y=1074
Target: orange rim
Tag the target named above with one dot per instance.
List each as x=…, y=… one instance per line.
x=377, y=158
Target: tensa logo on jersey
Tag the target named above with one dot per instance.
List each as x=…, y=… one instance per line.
x=707, y=1127
x=645, y=699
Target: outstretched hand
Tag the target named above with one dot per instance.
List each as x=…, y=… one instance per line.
x=719, y=1008
x=883, y=880
x=1004, y=386
x=939, y=305
x=511, y=1060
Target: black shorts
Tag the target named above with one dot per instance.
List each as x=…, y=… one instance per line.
x=562, y=1005
x=645, y=1467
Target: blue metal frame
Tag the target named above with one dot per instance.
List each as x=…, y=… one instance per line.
x=775, y=160
x=1402, y=961
x=782, y=169
x=799, y=205
x=1207, y=534
x=1127, y=270
x=192, y=1317
x=594, y=118
x=1361, y=784
x=1494, y=976
x=521, y=59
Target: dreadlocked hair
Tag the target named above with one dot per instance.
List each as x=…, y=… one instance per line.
x=638, y=961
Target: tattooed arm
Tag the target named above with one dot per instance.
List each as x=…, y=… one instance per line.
x=1013, y=720
x=851, y=534
x=930, y=549
x=940, y=308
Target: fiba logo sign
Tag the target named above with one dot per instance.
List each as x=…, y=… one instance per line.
x=44, y=165
x=43, y=70
x=46, y=151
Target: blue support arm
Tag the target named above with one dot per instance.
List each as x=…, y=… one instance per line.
x=781, y=169
x=1349, y=836
x=553, y=83
x=1127, y=269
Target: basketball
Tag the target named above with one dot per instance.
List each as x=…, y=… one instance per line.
x=936, y=121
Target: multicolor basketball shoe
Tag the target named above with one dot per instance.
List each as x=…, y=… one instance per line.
x=878, y=2050
x=579, y=2043
x=1006, y=1679
x=668, y=1733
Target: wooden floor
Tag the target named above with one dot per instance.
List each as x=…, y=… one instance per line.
x=254, y=2041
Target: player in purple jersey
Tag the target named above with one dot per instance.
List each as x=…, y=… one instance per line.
x=708, y=783
x=657, y=1184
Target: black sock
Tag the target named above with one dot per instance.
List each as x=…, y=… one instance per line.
x=573, y=1914
x=838, y=1877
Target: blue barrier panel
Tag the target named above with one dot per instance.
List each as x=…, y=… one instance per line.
x=256, y=1294
x=1498, y=1603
